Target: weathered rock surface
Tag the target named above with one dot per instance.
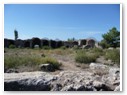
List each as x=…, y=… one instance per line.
x=117, y=88
x=11, y=71
x=99, y=69
x=47, y=67
x=28, y=81
x=63, y=81
x=98, y=66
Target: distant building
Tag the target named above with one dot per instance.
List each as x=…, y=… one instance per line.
x=30, y=43
x=86, y=43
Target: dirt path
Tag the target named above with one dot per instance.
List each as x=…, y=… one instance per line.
x=102, y=60
x=68, y=63
x=69, y=66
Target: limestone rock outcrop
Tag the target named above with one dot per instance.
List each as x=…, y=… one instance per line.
x=85, y=80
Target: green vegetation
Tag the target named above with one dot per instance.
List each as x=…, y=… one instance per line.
x=111, y=39
x=85, y=58
x=76, y=47
x=60, y=51
x=104, y=44
x=96, y=50
x=88, y=56
x=16, y=58
x=16, y=34
x=27, y=57
x=63, y=47
x=113, y=55
x=12, y=46
x=52, y=61
x=71, y=39
x=46, y=47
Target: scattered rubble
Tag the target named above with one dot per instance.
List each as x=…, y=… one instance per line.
x=64, y=81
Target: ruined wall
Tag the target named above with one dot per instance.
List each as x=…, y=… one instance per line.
x=8, y=42
x=75, y=43
x=44, y=42
x=19, y=43
x=59, y=44
x=26, y=44
x=82, y=42
x=91, y=42
x=70, y=44
x=52, y=43
x=35, y=41
x=30, y=43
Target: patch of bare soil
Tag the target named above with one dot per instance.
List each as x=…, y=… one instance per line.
x=69, y=64
x=102, y=60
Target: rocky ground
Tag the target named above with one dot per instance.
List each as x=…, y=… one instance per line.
x=99, y=77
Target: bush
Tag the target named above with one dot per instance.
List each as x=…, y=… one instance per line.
x=113, y=55
x=103, y=44
x=12, y=46
x=76, y=47
x=85, y=57
x=97, y=51
x=52, y=61
x=46, y=47
x=17, y=60
x=63, y=47
x=89, y=55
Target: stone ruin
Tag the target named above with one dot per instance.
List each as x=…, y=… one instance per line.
x=31, y=43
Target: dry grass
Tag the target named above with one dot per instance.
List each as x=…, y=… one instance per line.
x=88, y=56
x=61, y=51
x=14, y=58
x=113, y=55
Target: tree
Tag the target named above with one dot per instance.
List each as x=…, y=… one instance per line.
x=16, y=34
x=104, y=44
x=111, y=39
x=71, y=39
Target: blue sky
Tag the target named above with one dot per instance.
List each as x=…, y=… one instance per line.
x=60, y=21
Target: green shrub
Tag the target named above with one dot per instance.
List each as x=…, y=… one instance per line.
x=46, y=47
x=60, y=51
x=52, y=61
x=88, y=56
x=104, y=44
x=85, y=57
x=30, y=60
x=63, y=47
x=12, y=46
x=113, y=55
x=96, y=50
x=75, y=47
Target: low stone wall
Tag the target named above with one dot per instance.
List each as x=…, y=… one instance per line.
x=44, y=42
